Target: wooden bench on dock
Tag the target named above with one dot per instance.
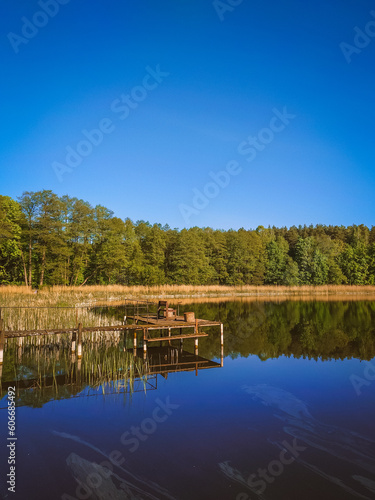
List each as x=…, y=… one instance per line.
x=164, y=311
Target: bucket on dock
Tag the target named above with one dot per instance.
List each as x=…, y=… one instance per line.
x=189, y=317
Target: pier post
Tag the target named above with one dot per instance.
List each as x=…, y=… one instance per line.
x=169, y=335
x=196, y=346
x=135, y=339
x=74, y=340
x=19, y=349
x=2, y=340
x=181, y=342
x=79, y=340
x=221, y=334
x=145, y=340
x=78, y=374
x=222, y=356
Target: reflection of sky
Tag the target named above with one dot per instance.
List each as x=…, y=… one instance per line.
x=216, y=422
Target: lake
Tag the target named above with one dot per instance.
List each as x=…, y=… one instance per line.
x=286, y=413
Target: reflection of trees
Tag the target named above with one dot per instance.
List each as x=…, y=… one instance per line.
x=326, y=330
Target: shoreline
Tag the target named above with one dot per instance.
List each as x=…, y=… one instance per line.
x=17, y=296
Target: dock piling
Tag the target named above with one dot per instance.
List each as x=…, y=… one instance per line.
x=74, y=341
x=79, y=340
x=144, y=340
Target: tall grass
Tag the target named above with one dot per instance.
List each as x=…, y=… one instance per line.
x=91, y=295
x=49, y=318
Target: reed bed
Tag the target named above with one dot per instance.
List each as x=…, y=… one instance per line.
x=48, y=318
x=90, y=295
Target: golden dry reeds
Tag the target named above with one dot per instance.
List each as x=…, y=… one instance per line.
x=101, y=294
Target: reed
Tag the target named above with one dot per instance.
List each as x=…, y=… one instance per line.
x=55, y=373
x=91, y=295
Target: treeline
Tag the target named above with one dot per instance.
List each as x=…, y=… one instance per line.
x=51, y=240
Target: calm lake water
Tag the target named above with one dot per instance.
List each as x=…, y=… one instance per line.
x=288, y=415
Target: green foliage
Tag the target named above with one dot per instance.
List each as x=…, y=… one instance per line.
x=277, y=260
x=10, y=234
x=47, y=240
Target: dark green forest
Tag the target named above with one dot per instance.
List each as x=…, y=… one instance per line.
x=50, y=240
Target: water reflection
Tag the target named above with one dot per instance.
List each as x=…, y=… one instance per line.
x=106, y=478
x=313, y=330
x=318, y=444
x=45, y=372
x=224, y=431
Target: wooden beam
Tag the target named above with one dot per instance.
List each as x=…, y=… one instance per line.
x=178, y=337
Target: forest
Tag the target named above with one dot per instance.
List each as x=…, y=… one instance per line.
x=50, y=240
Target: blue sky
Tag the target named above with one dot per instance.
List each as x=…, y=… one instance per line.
x=223, y=71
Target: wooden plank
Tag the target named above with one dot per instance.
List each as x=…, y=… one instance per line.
x=179, y=321
x=30, y=333
x=153, y=326
x=176, y=337
x=192, y=368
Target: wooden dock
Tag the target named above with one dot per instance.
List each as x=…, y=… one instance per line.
x=140, y=323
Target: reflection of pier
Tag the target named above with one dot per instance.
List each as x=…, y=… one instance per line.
x=167, y=359
x=75, y=381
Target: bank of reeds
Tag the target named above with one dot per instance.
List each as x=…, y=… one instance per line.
x=50, y=317
x=91, y=295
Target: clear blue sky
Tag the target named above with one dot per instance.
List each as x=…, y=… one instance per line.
x=225, y=78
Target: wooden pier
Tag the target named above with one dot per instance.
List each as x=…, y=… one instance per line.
x=144, y=324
